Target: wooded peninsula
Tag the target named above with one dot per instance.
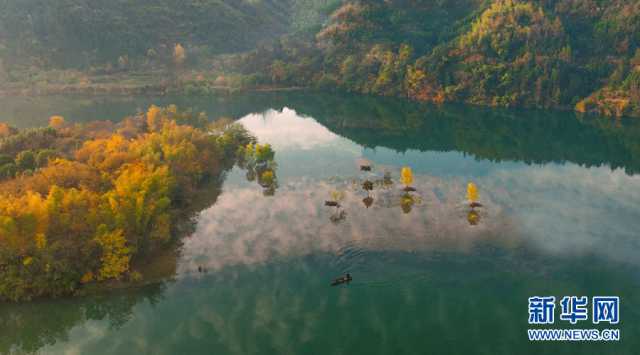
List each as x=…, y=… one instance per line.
x=84, y=203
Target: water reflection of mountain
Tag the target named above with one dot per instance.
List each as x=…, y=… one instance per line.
x=496, y=135
x=531, y=136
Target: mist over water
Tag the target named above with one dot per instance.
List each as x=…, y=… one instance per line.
x=563, y=210
x=424, y=277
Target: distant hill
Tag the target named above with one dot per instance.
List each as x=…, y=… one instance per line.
x=569, y=54
x=581, y=54
x=76, y=33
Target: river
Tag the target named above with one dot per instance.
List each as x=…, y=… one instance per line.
x=560, y=216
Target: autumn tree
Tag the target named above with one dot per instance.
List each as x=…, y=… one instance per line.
x=85, y=214
x=56, y=122
x=26, y=160
x=406, y=176
x=115, y=253
x=472, y=193
x=5, y=130
x=179, y=55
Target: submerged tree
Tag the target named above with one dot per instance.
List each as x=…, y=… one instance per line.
x=406, y=177
x=258, y=160
x=472, y=192
x=472, y=195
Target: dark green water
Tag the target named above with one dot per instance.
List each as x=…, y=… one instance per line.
x=561, y=217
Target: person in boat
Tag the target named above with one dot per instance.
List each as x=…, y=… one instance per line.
x=341, y=280
x=332, y=204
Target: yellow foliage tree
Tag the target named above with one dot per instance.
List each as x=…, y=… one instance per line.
x=41, y=241
x=472, y=192
x=267, y=177
x=337, y=195
x=139, y=203
x=406, y=176
x=76, y=221
x=87, y=277
x=106, y=155
x=22, y=219
x=71, y=212
x=153, y=118
x=115, y=253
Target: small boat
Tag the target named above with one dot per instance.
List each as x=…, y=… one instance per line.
x=475, y=204
x=365, y=167
x=332, y=204
x=342, y=280
x=409, y=189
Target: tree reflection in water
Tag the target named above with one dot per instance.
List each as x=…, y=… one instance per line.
x=259, y=162
x=28, y=327
x=406, y=203
x=385, y=184
x=473, y=217
x=339, y=214
x=383, y=230
x=368, y=201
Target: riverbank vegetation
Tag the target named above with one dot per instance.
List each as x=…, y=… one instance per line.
x=83, y=203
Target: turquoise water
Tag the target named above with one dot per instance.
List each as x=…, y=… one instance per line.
x=561, y=216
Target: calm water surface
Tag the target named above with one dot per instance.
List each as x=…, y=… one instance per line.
x=561, y=216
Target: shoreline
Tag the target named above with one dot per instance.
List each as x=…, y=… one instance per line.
x=127, y=90
x=202, y=88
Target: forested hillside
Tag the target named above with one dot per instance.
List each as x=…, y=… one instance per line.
x=537, y=53
x=567, y=54
x=79, y=33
